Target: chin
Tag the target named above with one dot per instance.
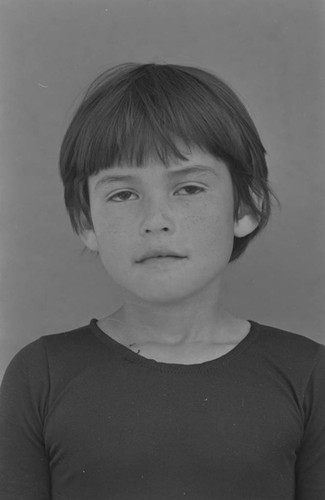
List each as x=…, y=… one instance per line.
x=166, y=293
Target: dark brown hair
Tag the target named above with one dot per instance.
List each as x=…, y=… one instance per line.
x=134, y=112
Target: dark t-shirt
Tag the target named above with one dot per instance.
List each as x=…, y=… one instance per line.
x=85, y=418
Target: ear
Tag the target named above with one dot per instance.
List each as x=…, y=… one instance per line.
x=245, y=224
x=89, y=238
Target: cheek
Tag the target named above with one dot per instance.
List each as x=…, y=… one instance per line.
x=211, y=237
x=209, y=226
x=112, y=236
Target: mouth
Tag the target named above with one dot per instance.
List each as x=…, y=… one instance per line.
x=160, y=256
x=162, y=263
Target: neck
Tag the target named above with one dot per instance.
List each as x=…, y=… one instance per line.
x=196, y=319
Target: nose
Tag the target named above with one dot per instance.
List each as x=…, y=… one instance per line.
x=157, y=217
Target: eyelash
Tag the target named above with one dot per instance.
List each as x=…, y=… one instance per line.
x=201, y=189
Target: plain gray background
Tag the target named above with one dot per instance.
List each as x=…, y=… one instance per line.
x=271, y=53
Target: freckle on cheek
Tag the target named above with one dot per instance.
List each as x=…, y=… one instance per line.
x=196, y=218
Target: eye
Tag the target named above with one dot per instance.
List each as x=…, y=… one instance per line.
x=120, y=196
x=191, y=189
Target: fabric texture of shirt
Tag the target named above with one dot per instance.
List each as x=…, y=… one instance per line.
x=83, y=417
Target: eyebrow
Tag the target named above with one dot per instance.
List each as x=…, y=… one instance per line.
x=195, y=169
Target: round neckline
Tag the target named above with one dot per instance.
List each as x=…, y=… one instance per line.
x=205, y=366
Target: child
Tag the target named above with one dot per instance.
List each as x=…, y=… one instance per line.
x=171, y=396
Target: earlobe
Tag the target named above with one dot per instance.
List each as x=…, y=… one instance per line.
x=246, y=222
x=245, y=225
x=89, y=238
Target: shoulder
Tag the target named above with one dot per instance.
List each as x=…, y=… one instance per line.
x=55, y=341
x=280, y=338
x=291, y=351
x=44, y=355
x=74, y=341
x=281, y=334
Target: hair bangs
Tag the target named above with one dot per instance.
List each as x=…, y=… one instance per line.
x=156, y=116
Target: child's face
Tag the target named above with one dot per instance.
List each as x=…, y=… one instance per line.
x=185, y=209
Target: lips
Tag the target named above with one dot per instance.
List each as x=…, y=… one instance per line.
x=157, y=254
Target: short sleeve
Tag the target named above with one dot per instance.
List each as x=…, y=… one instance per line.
x=24, y=472
x=310, y=469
